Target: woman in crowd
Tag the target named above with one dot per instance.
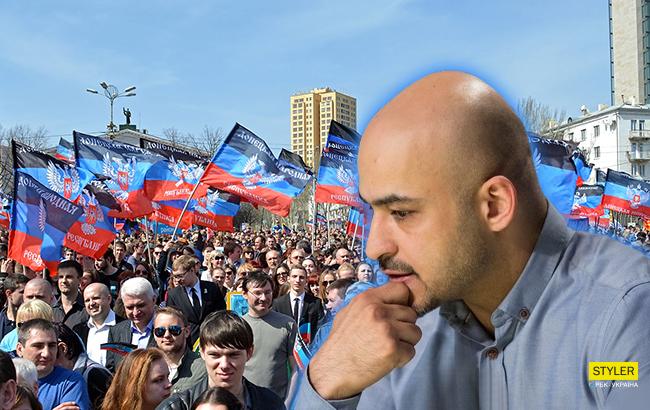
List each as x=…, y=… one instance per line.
x=32, y=309
x=217, y=398
x=141, y=382
x=326, y=278
x=280, y=277
x=26, y=400
x=248, y=253
x=365, y=273
x=314, y=286
x=346, y=271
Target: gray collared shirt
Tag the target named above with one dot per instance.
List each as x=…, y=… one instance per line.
x=580, y=298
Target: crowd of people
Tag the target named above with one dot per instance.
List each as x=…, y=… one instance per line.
x=146, y=325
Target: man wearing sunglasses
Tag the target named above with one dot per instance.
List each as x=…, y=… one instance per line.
x=171, y=331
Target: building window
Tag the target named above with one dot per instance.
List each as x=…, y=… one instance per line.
x=596, y=152
x=641, y=125
x=570, y=136
x=642, y=170
x=583, y=135
x=635, y=171
x=596, y=131
x=633, y=125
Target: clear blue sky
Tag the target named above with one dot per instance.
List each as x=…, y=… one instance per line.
x=215, y=63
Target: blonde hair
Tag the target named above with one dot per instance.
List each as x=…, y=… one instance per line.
x=34, y=309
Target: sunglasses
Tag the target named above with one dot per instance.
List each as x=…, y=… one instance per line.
x=327, y=282
x=218, y=258
x=175, y=330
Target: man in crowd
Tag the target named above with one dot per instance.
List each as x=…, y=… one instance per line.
x=297, y=257
x=119, y=250
x=94, y=332
x=138, y=254
x=14, y=288
x=108, y=273
x=70, y=304
x=341, y=256
x=298, y=304
x=139, y=303
x=226, y=344
x=258, y=245
x=195, y=298
x=37, y=342
x=273, y=260
x=171, y=330
x=233, y=253
x=7, y=382
x=39, y=288
x=499, y=283
x=219, y=278
x=275, y=334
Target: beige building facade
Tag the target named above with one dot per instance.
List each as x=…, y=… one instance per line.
x=310, y=118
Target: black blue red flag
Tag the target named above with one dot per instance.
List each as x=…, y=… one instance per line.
x=245, y=166
x=124, y=166
x=338, y=178
x=39, y=222
x=292, y=160
x=5, y=210
x=175, y=177
x=169, y=213
x=216, y=211
x=587, y=201
x=627, y=195
x=65, y=151
x=92, y=234
x=59, y=176
x=555, y=170
x=342, y=138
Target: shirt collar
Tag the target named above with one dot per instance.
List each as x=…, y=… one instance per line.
x=293, y=295
x=196, y=287
x=147, y=329
x=109, y=321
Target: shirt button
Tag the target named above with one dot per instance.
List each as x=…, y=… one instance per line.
x=492, y=353
x=524, y=313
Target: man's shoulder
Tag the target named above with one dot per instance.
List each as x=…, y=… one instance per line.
x=278, y=318
x=263, y=397
x=62, y=374
x=183, y=400
x=283, y=298
x=124, y=326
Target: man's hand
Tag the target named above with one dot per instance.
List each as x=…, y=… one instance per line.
x=68, y=405
x=375, y=334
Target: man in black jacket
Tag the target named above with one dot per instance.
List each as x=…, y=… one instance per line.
x=226, y=345
x=195, y=298
x=300, y=305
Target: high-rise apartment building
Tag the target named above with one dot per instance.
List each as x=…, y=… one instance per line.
x=629, y=45
x=311, y=114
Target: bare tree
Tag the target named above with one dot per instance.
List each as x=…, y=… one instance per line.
x=207, y=142
x=540, y=118
x=173, y=135
x=22, y=133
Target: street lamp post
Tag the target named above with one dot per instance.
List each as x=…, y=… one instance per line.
x=111, y=92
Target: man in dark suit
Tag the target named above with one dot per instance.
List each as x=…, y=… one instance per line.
x=139, y=303
x=195, y=298
x=303, y=307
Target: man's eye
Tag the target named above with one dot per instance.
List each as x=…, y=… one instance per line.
x=400, y=214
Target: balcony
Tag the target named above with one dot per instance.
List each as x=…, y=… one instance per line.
x=638, y=156
x=639, y=135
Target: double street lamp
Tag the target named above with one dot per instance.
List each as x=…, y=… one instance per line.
x=111, y=92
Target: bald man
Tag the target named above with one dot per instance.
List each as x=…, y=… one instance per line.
x=97, y=302
x=492, y=302
x=39, y=288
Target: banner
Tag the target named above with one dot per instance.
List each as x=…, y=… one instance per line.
x=124, y=165
x=216, y=210
x=39, y=221
x=169, y=212
x=555, y=171
x=65, y=151
x=175, y=177
x=59, y=176
x=587, y=201
x=245, y=166
x=92, y=234
x=626, y=195
x=338, y=178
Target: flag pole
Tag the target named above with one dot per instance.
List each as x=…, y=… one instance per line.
x=146, y=237
x=314, y=208
x=356, y=227
x=327, y=217
x=180, y=218
x=363, y=234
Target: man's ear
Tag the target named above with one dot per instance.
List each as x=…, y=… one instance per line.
x=19, y=349
x=8, y=394
x=249, y=352
x=497, y=203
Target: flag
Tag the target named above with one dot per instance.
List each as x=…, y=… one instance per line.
x=65, y=151
x=587, y=201
x=583, y=168
x=162, y=229
x=39, y=221
x=175, y=177
x=59, y=176
x=342, y=138
x=626, y=195
x=245, y=166
x=337, y=181
x=5, y=210
x=92, y=234
x=555, y=171
x=305, y=332
x=120, y=348
x=292, y=160
x=355, y=223
x=216, y=210
x=285, y=229
x=300, y=350
x=169, y=212
x=124, y=165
